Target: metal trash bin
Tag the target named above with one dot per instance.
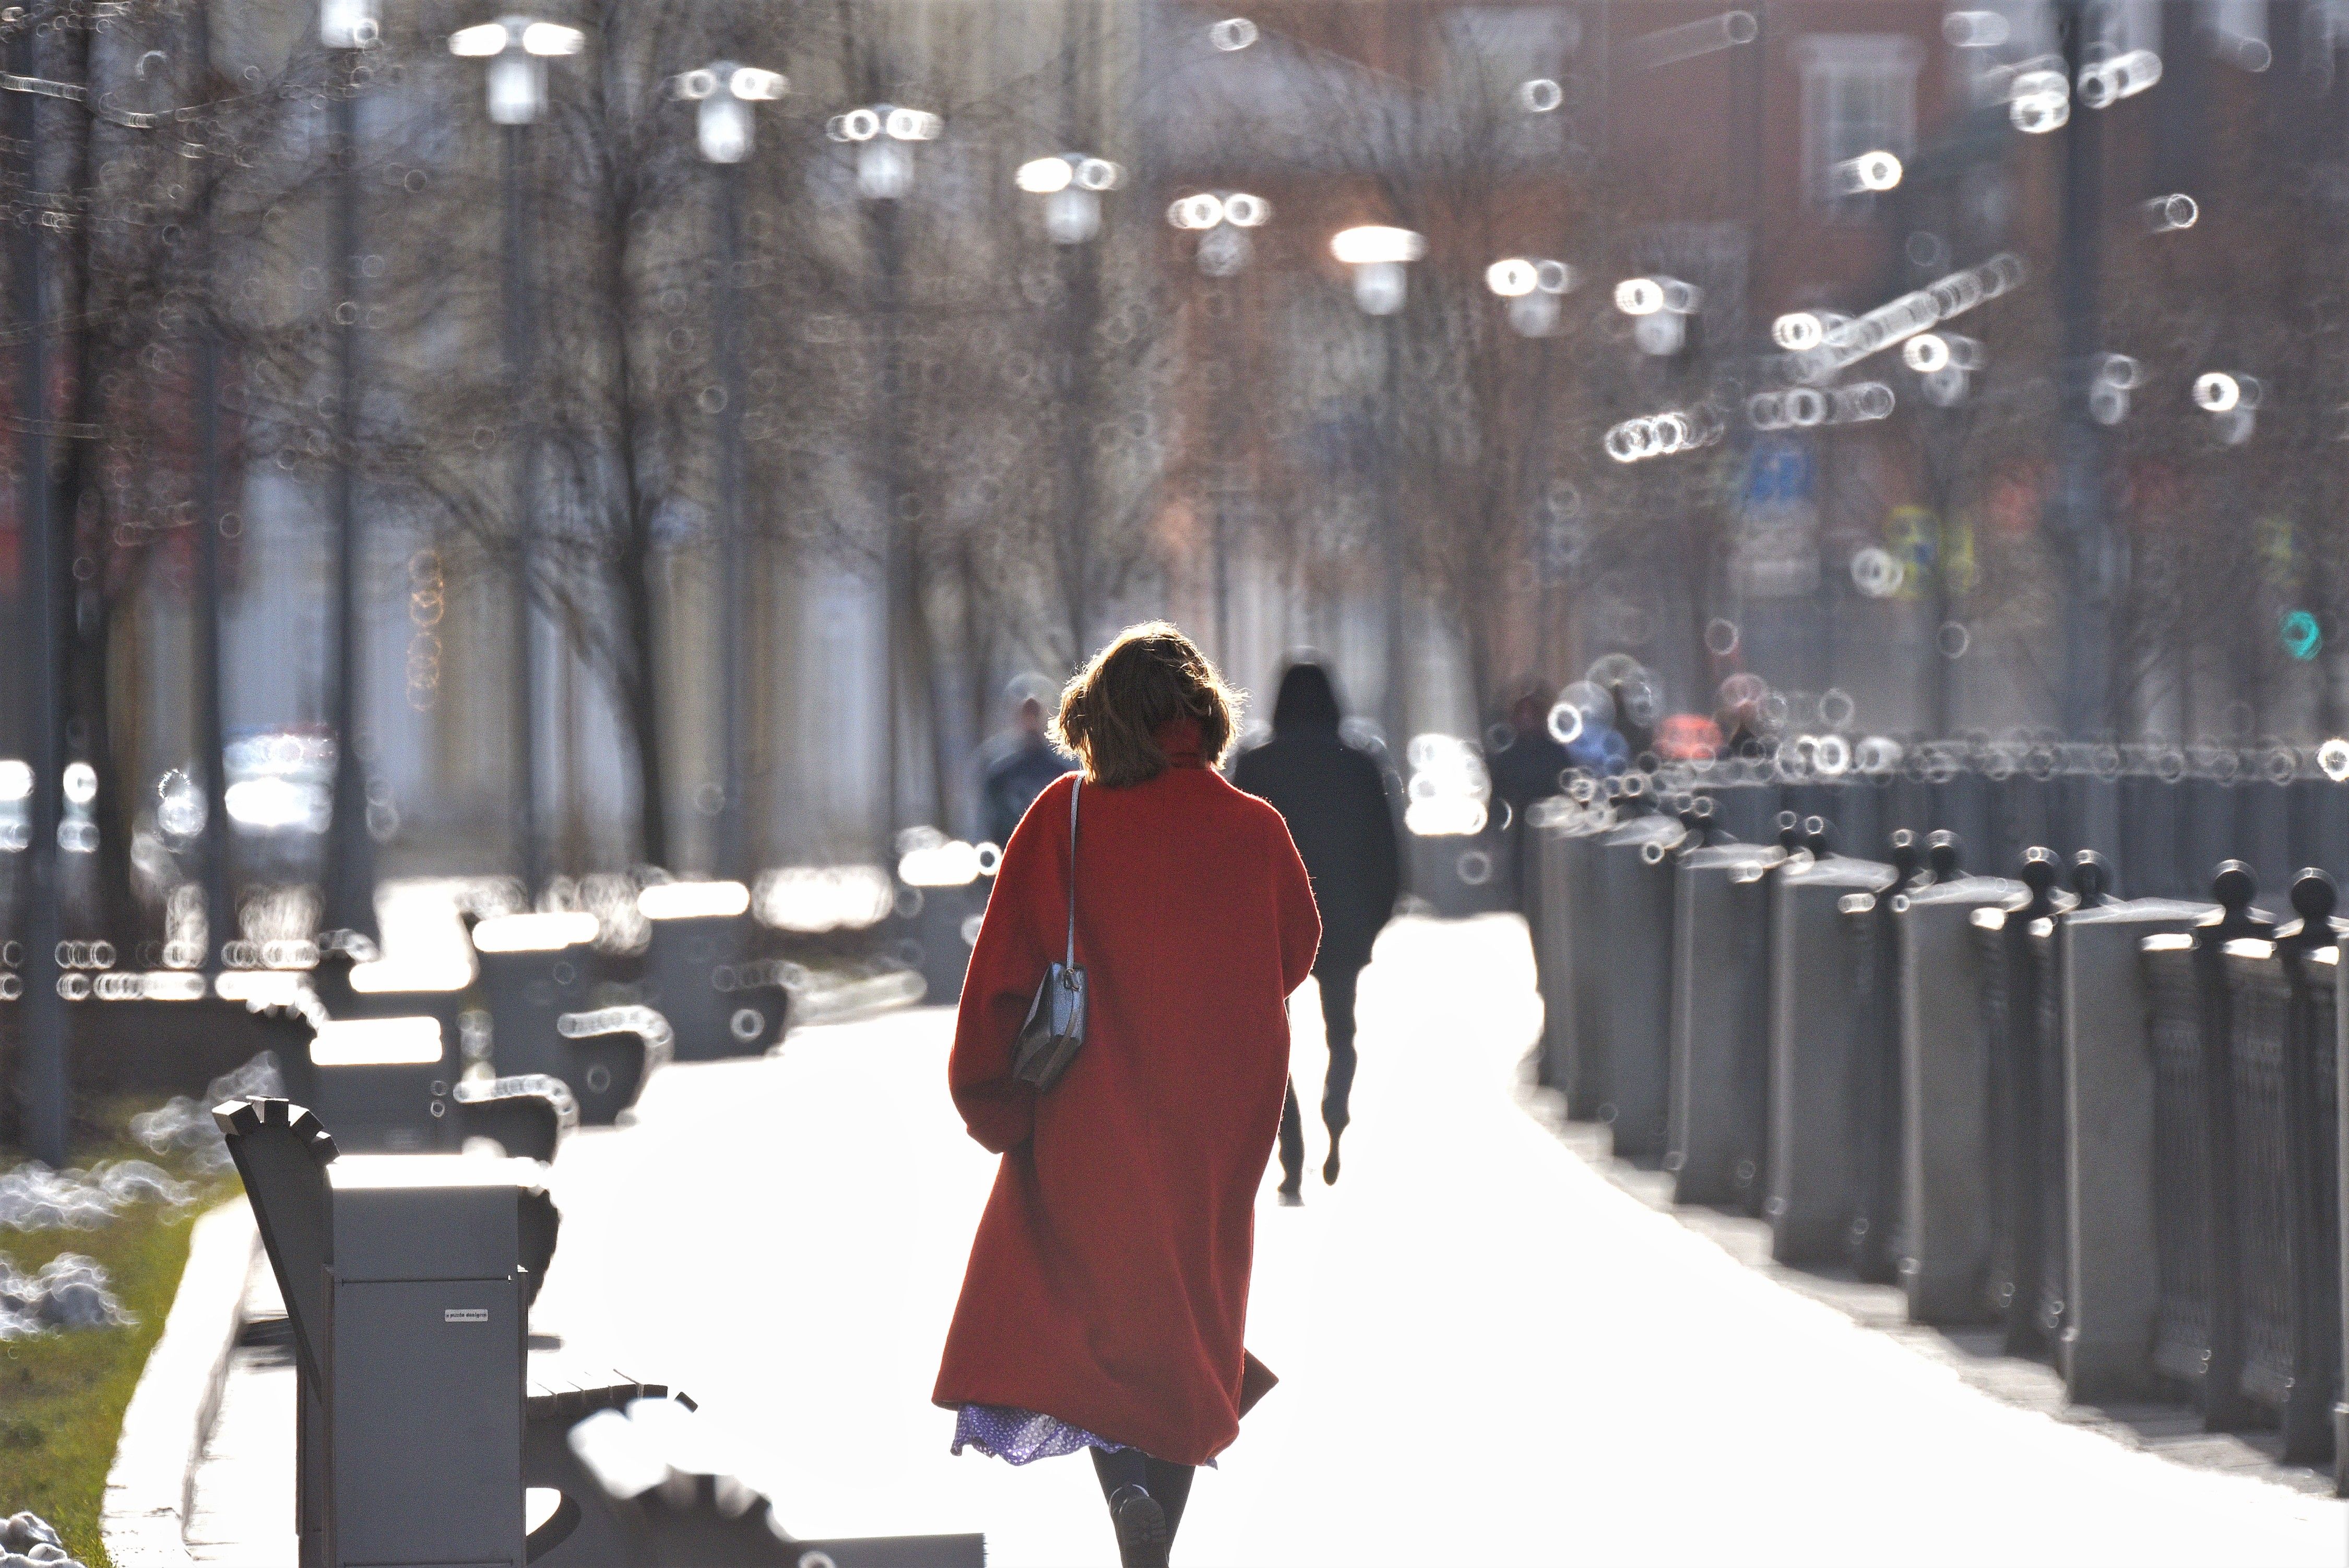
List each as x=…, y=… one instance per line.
x=1623, y=1067
x=408, y=1280
x=1718, y=1133
x=1821, y=974
x=1945, y=1204
x=2285, y=1140
x=2112, y=1289
x=705, y=974
x=2198, y=1336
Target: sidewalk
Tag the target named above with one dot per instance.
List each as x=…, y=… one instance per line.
x=1491, y=1353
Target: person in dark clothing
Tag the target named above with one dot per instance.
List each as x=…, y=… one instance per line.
x=1526, y=769
x=1341, y=810
x=1019, y=774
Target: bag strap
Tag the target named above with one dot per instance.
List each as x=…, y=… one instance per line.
x=1074, y=790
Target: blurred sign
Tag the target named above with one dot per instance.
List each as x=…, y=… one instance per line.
x=1777, y=553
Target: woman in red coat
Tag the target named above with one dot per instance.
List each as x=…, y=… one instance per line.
x=1107, y=1290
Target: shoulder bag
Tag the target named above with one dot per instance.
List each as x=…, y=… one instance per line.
x=1056, y=1020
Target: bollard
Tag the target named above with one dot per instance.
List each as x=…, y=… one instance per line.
x=2111, y=1295
x=1719, y=1124
x=1819, y=973
x=1875, y=1104
x=1566, y=836
x=2019, y=969
x=703, y=971
x=2286, y=1128
x=1625, y=1073
x=2327, y=972
x=1945, y=1199
x=2198, y=1331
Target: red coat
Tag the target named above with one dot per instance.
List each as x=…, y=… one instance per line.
x=1108, y=1285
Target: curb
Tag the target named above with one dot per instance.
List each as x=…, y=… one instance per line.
x=145, y=1514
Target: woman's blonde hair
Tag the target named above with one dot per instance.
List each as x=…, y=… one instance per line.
x=1147, y=675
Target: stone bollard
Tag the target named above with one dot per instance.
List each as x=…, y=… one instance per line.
x=1819, y=974
x=1945, y=1200
x=2112, y=1290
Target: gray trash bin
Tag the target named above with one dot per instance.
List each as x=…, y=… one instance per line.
x=1624, y=1072
x=1718, y=1133
x=1945, y=1198
x=408, y=1282
x=1821, y=972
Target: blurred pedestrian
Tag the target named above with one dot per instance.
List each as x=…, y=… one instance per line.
x=1336, y=800
x=1526, y=767
x=1103, y=1305
x=1022, y=765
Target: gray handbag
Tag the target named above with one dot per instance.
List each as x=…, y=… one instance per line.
x=1056, y=1020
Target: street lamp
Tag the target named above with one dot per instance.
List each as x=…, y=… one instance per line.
x=725, y=130
x=1071, y=184
x=1222, y=224
x=1377, y=254
x=517, y=49
x=884, y=136
x=1533, y=287
x=348, y=28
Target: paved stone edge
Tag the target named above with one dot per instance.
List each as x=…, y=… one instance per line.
x=149, y=1487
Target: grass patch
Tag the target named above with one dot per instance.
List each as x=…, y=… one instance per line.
x=62, y=1395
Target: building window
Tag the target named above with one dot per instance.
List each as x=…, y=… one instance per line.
x=1859, y=95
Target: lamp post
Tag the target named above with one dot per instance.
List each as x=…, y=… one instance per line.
x=725, y=130
x=884, y=136
x=1071, y=184
x=1378, y=255
x=348, y=28
x=1532, y=287
x=211, y=748
x=516, y=50
x=1222, y=222
x=43, y=1071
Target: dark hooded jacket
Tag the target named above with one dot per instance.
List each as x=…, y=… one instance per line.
x=1340, y=810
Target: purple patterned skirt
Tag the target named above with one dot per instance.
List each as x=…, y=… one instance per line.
x=1017, y=1436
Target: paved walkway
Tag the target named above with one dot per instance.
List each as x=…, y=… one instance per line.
x=1491, y=1353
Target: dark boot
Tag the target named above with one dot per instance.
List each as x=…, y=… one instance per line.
x=1141, y=1535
